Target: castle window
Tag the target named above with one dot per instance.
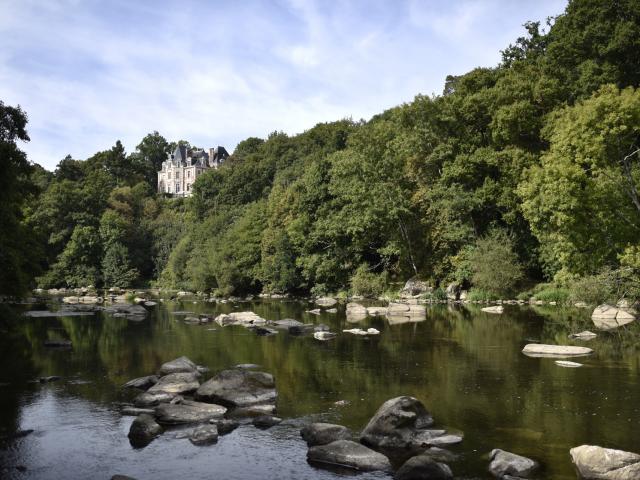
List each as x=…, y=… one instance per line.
x=177, y=187
x=189, y=174
x=169, y=175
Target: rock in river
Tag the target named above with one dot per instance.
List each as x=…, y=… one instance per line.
x=151, y=399
x=597, y=463
x=323, y=336
x=188, y=412
x=143, y=383
x=345, y=453
x=266, y=421
x=323, y=433
x=238, y=388
x=423, y=467
x=326, y=301
x=143, y=429
x=607, y=317
x=506, y=463
x=176, y=383
x=554, y=351
x=400, y=423
x=204, y=435
x=494, y=309
x=179, y=365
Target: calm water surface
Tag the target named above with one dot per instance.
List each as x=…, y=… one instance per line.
x=465, y=365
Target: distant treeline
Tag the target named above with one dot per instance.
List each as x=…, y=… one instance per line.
x=518, y=174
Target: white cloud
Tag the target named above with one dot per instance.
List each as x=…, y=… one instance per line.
x=89, y=73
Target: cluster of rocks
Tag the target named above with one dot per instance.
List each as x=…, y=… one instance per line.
x=400, y=429
x=176, y=397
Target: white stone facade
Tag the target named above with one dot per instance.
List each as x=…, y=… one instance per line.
x=182, y=167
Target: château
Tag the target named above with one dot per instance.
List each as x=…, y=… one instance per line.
x=184, y=165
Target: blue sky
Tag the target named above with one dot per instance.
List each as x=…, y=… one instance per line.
x=215, y=72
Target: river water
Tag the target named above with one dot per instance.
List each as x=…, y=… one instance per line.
x=465, y=365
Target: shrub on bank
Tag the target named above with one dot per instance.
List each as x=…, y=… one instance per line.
x=367, y=283
x=480, y=295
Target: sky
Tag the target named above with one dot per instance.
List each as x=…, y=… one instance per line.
x=90, y=72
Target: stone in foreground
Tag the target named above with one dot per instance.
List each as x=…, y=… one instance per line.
x=423, y=467
x=188, y=412
x=506, y=463
x=323, y=433
x=143, y=430
x=597, y=463
x=204, y=435
x=554, y=351
x=238, y=388
x=345, y=453
x=400, y=423
x=179, y=365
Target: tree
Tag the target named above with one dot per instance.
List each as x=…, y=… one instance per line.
x=582, y=200
x=19, y=253
x=495, y=266
x=116, y=267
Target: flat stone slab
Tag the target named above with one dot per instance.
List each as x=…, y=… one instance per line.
x=494, y=309
x=188, y=412
x=554, y=351
x=238, y=388
x=584, y=335
x=345, y=453
x=176, y=383
x=60, y=313
x=567, y=364
x=142, y=383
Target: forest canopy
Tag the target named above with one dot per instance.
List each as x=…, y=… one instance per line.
x=517, y=174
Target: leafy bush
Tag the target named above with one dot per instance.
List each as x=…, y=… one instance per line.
x=608, y=286
x=496, y=268
x=553, y=294
x=367, y=283
x=479, y=295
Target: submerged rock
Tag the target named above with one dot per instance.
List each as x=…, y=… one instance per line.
x=565, y=363
x=345, y=453
x=323, y=433
x=326, y=301
x=204, y=435
x=598, y=463
x=178, y=365
x=134, y=411
x=585, y=335
x=176, y=383
x=506, y=463
x=143, y=430
x=264, y=331
x=237, y=388
x=143, y=383
x=494, y=309
x=188, y=412
x=131, y=312
x=423, y=467
x=301, y=329
x=287, y=324
x=323, y=336
x=225, y=425
x=554, y=351
x=266, y=421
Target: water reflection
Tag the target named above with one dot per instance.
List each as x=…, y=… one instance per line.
x=466, y=365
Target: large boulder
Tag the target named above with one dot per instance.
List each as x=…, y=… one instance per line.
x=178, y=365
x=597, y=463
x=415, y=287
x=143, y=429
x=606, y=317
x=345, y=453
x=453, y=291
x=176, y=383
x=506, y=463
x=400, y=423
x=188, y=412
x=143, y=383
x=423, y=467
x=238, y=388
x=356, y=312
x=204, y=435
x=554, y=351
x=323, y=433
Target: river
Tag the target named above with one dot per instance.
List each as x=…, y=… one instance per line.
x=464, y=364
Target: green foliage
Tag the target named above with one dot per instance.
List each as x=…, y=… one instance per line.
x=116, y=267
x=607, y=286
x=367, y=283
x=496, y=268
x=551, y=293
x=480, y=295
